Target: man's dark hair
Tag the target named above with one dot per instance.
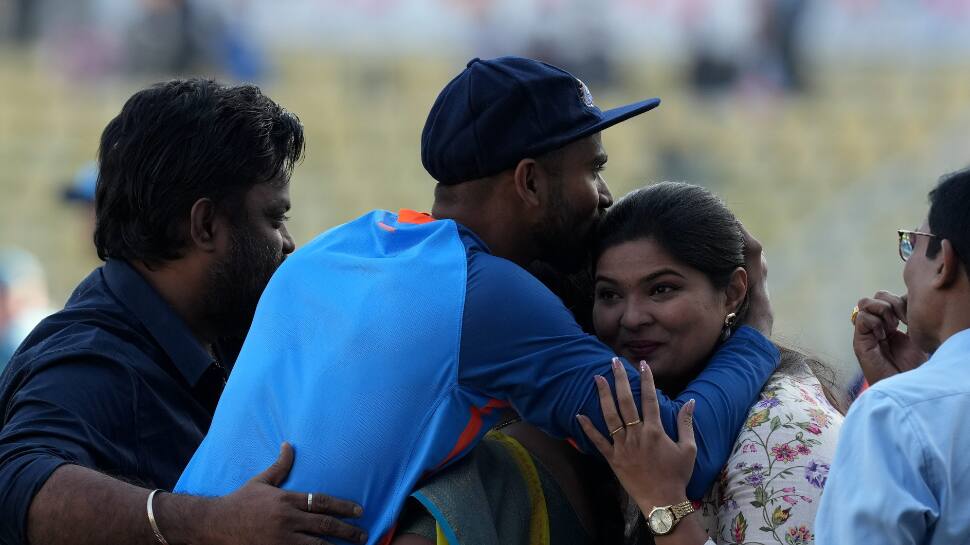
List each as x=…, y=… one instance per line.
x=949, y=215
x=175, y=143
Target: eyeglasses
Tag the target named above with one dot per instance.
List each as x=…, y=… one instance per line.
x=907, y=241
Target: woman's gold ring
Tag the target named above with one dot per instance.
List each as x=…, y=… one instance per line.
x=855, y=312
x=634, y=423
x=617, y=430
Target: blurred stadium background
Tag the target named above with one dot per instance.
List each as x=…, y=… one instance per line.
x=822, y=123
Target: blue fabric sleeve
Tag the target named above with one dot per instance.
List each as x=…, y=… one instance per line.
x=60, y=412
x=879, y=489
x=520, y=344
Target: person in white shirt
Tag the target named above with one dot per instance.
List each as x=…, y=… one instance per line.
x=901, y=471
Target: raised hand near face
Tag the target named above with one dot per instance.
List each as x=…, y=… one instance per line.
x=881, y=348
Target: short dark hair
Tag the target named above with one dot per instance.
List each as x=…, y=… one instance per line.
x=949, y=215
x=688, y=221
x=175, y=143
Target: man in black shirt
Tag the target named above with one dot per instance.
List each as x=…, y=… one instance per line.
x=106, y=400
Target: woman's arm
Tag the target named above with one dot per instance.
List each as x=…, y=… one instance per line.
x=652, y=468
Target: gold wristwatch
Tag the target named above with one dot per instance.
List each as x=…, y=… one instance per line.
x=661, y=520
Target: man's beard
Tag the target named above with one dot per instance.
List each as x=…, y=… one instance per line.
x=564, y=238
x=236, y=284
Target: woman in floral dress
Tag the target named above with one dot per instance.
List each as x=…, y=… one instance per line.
x=769, y=490
x=669, y=286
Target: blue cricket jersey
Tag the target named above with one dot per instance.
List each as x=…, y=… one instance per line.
x=383, y=348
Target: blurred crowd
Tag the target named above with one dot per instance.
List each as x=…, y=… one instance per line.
x=149, y=38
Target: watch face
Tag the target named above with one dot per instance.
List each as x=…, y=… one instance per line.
x=661, y=521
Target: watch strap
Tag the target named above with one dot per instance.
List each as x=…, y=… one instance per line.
x=682, y=509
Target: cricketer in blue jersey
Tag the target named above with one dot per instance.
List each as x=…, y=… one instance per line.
x=383, y=349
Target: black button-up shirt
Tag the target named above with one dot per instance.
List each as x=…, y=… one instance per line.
x=114, y=382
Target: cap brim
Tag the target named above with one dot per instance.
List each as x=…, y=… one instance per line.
x=608, y=119
x=618, y=115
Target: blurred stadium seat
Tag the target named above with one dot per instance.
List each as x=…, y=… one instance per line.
x=780, y=162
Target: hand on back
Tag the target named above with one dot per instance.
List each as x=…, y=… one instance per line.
x=260, y=513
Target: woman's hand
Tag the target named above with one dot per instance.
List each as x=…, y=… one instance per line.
x=653, y=469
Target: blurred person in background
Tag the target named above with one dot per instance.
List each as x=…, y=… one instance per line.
x=717, y=34
x=106, y=400
x=574, y=34
x=22, y=20
x=243, y=57
x=24, y=300
x=388, y=346
x=780, y=62
x=80, y=191
x=746, y=45
x=901, y=473
x=187, y=36
x=172, y=37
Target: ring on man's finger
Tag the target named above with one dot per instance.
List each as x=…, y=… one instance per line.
x=634, y=423
x=617, y=430
x=309, y=502
x=855, y=314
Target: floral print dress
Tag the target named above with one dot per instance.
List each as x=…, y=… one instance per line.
x=770, y=488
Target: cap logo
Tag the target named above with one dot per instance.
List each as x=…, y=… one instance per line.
x=585, y=95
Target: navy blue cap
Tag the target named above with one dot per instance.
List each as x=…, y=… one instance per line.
x=500, y=111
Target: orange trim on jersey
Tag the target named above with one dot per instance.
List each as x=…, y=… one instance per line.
x=389, y=536
x=386, y=227
x=410, y=216
x=472, y=429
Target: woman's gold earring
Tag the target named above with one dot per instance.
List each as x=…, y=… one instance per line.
x=729, y=321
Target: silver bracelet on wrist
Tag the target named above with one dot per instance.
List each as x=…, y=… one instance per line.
x=151, y=517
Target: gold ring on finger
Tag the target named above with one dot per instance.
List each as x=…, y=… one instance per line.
x=617, y=430
x=855, y=313
x=634, y=423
